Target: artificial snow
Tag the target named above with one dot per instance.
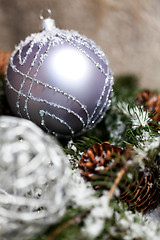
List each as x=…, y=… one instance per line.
x=137, y=227
x=138, y=116
x=153, y=215
x=85, y=197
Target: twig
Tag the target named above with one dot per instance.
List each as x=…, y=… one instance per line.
x=117, y=181
x=61, y=228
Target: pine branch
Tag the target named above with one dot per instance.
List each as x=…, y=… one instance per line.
x=64, y=226
x=120, y=126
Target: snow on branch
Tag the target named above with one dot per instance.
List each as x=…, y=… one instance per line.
x=137, y=115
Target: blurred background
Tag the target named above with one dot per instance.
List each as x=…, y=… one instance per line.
x=128, y=30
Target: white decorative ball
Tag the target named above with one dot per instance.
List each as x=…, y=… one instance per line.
x=34, y=179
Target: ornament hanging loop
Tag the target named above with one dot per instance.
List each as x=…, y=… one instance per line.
x=48, y=23
x=45, y=13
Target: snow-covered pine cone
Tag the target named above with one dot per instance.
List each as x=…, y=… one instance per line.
x=100, y=158
x=143, y=193
x=151, y=102
x=146, y=98
x=101, y=163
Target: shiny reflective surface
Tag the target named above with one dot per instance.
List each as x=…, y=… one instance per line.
x=71, y=66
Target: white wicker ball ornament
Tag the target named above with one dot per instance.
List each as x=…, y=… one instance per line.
x=34, y=179
x=60, y=80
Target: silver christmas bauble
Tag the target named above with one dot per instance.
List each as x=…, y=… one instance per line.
x=60, y=80
x=34, y=179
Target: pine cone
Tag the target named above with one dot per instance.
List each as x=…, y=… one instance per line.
x=150, y=101
x=147, y=98
x=4, y=57
x=100, y=157
x=100, y=165
x=143, y=194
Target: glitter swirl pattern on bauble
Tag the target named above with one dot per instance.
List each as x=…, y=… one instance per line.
x=60, y=80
